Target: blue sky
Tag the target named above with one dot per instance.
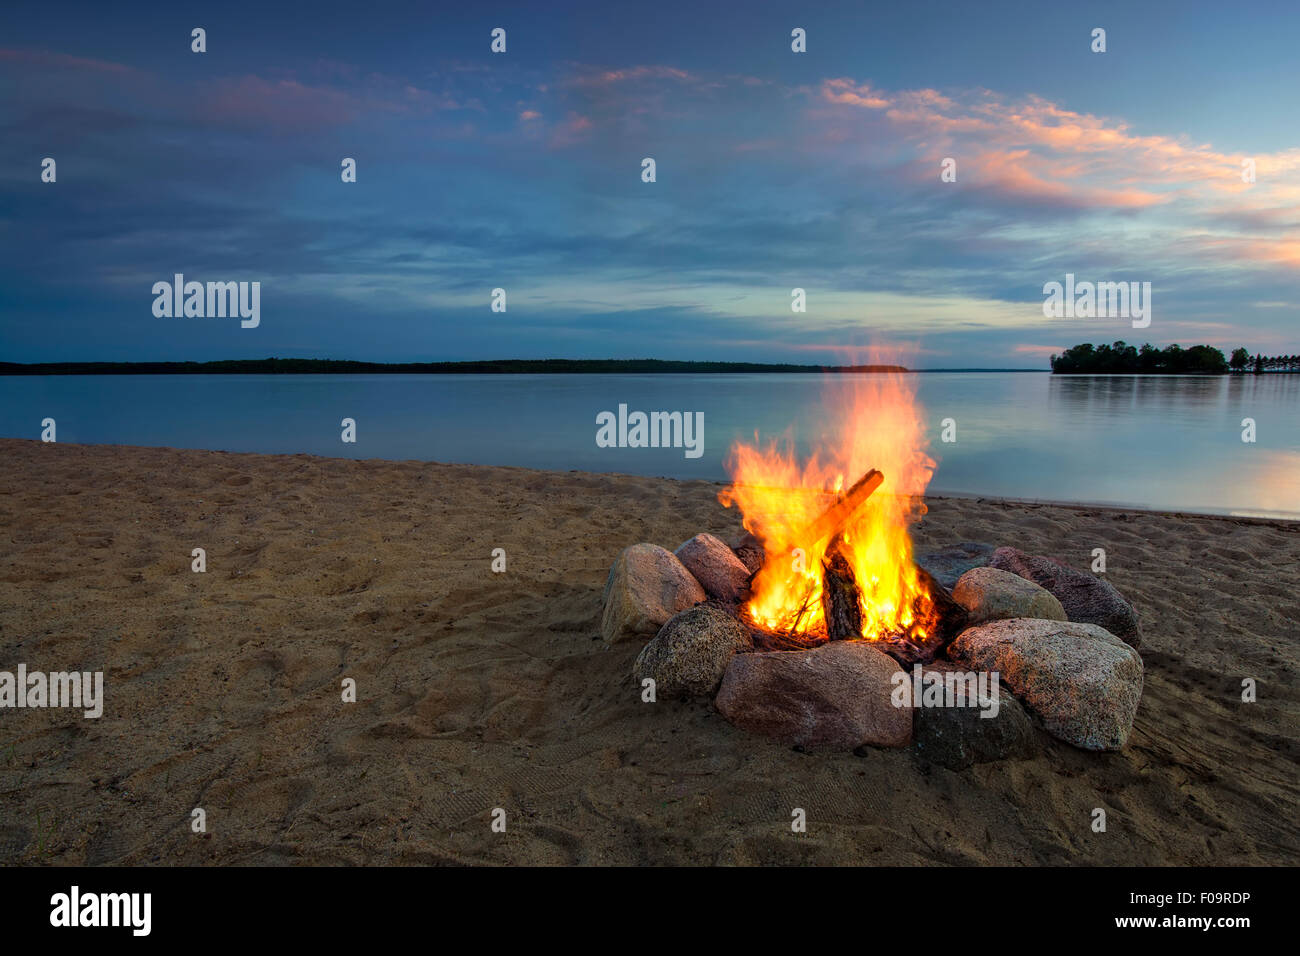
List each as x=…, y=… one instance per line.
x=521, y=170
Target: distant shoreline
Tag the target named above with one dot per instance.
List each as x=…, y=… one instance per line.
x=498, y=367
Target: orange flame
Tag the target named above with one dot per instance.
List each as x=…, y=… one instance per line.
x=875, y=424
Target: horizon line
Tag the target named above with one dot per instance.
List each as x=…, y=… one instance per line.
x=316, y=366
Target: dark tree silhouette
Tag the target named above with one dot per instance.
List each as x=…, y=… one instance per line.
x=1120, y=358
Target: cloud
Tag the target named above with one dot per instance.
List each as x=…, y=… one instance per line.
x=255, y=101
x=528, y=177
x=845, y=91
x=288, y=104
x=1037, y=149
x=586, y=76
x=1022, y=175
x=42, y=59
x=571, y=131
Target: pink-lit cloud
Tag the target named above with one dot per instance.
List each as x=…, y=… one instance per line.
x=588, y=77
x=571, y=131
x=256, y=101
x=1031, y=151
x=291, y=104
x=1041, y=151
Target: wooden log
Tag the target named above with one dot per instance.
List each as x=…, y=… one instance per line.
x=834, y=518
x=829, y=522
x=949, y=620
x=951, y=616
x=908, y=651
x=840, y=604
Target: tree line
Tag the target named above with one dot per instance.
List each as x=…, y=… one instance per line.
x=303, y=366
x=1242, y=361
x=1120, y=358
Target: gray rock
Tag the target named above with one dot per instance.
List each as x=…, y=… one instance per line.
x=646, y=586
x=957, y=737
x=833, y=697
x=950, y=563
x=1081, y=681
x=716, y=567
x=689, y=655
x=988, y=594
x=750, y=551
x=1086, y=599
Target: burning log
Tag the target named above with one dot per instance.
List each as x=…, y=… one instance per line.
x=908, y=649
x=834, y=518
x=843, y=613
x=840, y=605
x=938, y=618
x=840, y=596
x=949, y=619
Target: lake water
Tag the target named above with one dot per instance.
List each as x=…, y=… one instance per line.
x=1166, y=442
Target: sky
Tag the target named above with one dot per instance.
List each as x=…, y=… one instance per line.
x=522, y=170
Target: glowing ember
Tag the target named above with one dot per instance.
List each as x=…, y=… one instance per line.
x=876, y=425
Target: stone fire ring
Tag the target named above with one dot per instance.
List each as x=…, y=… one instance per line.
x=1045, y=648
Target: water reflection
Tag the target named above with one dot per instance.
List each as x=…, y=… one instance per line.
x=1152, y=397
x=1169, y=442
x=1172, y=438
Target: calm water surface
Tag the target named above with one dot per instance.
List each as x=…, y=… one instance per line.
x=1167, y=442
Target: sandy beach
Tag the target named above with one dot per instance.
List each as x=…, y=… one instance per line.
x=479, y=690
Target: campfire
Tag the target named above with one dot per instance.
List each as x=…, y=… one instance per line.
x=838, y=557
x=811, y=627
